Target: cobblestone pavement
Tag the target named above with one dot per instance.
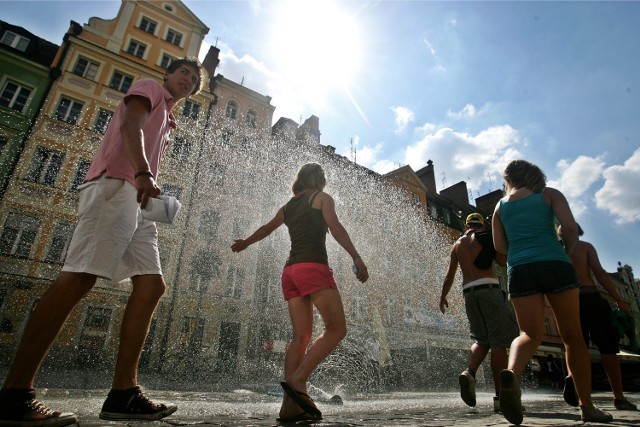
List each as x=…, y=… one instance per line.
x=247, y=408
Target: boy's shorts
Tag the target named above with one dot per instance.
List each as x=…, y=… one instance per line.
x=112, y=240
x=306, y=278
x=595, y=319
x=491, y=321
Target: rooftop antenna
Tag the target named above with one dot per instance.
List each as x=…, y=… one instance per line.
x=353, y=152
x=216, y=45
x=490, y=182
x=444, y=179
x=242, y=81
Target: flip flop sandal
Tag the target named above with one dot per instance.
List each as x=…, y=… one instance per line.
x=303, y=416
x=297, y=396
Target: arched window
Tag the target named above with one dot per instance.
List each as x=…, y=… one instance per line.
x=252, y=119
x=232, y=110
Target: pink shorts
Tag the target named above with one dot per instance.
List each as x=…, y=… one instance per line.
x=305, y=278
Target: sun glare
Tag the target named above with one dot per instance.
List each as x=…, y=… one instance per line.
x=316, y=45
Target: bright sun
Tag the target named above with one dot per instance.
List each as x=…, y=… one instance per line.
x=316, y=45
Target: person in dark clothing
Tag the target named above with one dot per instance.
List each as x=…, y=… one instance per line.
x=307, y=281
x=595, y=319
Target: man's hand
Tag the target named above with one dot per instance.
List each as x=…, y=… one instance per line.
x=443, y=303
x=146, y=187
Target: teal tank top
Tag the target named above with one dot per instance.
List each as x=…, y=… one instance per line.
x=530, y=227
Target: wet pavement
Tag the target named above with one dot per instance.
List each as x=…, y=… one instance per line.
x=248, y=408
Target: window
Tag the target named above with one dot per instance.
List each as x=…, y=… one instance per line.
x=191, y=109
x=136, y=48
x=433, y=211
x=102, y=121
x=235, y=277
x=44, y=166
x=148, y=25
x=205, y=266
x=18, y=235
x=232, y=110
x=252, y=119
x=59, y=243
x=358, y=307
x=93, y=336
x=215, y=175
x=81, y=172
x=120, y=82
x=388, y=310
x=6, y=327
x=68, y=110
x=166, y=60
x=86, y=68
x=174, y=37
x=181, y=147
x=14, y=40
x=240, y=227
x=447, y=216
x=209, y=223
x=14, y=96
x=192, y=333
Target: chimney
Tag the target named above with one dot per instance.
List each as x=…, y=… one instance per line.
x=458, y=194
x=428, y=177
x=210, y=63
x=309, y=130
x=487, y=203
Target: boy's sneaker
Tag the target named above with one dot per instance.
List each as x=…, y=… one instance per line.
x=467, y=388
x=19, y=408
x=624, y=405
x=496, y=404
x=133, y=404
x=569, y=392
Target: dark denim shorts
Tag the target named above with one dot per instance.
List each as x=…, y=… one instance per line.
x=546, y=277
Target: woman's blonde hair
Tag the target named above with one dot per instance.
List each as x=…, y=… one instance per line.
x=521, y=173
x=310, y=177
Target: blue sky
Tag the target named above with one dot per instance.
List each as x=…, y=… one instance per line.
x=469, y=85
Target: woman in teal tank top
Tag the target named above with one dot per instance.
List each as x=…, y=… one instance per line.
x=307, y=282
x=524, y=228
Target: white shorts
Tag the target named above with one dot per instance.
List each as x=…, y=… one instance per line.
x=112, y=240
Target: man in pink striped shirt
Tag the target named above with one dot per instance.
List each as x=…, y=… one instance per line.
x=111, y=240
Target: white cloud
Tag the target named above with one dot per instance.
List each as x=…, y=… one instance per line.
x=426, y=128
x=620, y=194
x=368, y=156
x=469, y=111
x=477, y=159
x=576, y=178
x=429, y=46
x=255, y=75
x=404, y=116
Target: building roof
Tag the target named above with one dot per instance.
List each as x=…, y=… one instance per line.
x=39, y=50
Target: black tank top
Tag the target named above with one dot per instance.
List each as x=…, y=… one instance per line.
x=307, y=230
